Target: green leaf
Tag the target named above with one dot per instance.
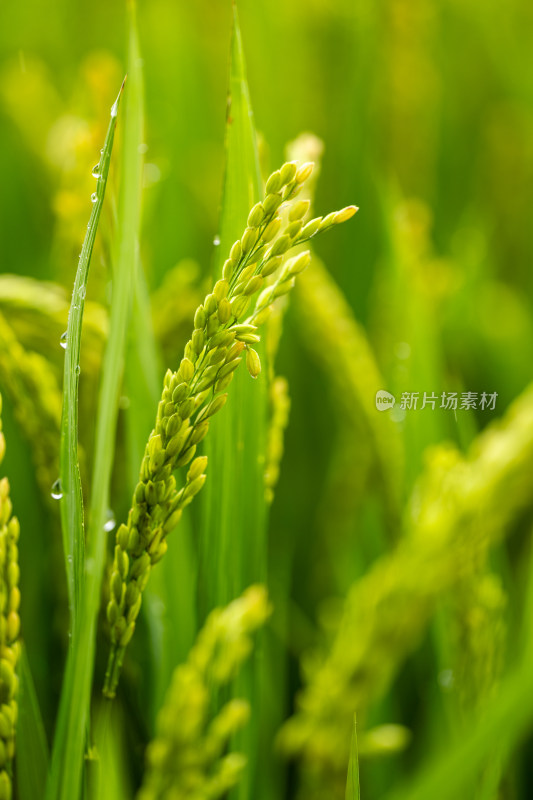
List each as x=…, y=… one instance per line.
x=352, y=781
x=232, y=536
x=169, y=603
x=67, y=757
x=32, y=747
x=109, y=777
x=70, y=481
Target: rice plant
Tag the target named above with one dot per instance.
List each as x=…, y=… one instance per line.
x=265, y=502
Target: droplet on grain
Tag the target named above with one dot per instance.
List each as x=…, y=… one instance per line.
x=216, y=241
x=94, y=197
x=57, y=492
x=96, y=170
x=63, y=340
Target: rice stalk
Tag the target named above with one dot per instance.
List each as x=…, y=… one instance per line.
x=188, y=756
x=30, y=383
x=459, y=508
x=192, y=395
x=477, y=633
x=339, y=344
x=37, y=312
x=9, y=630
x=280, y=405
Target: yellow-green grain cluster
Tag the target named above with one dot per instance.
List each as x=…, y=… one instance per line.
x=37, y=313
x=36, y=398
x=222, y=335
x=188, y=757
x=280, y=406
x=458, y=509
x=477, y=635
x=9, y=631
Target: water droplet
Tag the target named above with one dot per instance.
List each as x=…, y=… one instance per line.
x=63, y=340
x=96, y=170
x=94, y=197
x=216, y=241
x=110, y=522
x=402, y=350
x=446, y=679
x=81, y=292
x=151, y=175
x=114, y=108
x=57, y=492
x=78, y=369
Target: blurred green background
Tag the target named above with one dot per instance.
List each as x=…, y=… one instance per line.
x=426, y=115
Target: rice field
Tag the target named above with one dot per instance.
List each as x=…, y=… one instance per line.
x=266, y=443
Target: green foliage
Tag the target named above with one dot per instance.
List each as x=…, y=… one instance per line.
x=32, y=747
x=187, y=757
x=69, y=482
x=394, y=544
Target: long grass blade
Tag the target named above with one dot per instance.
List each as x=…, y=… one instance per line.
x=69, y=487
x=67, y=759
x=237, y=492
x=232, y=535
x=32, y=747
x=352, y=782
